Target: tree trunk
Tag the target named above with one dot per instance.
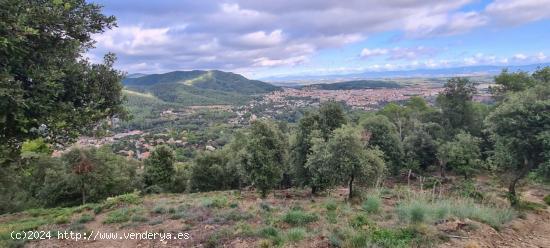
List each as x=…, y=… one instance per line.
x=350, y=186
x=313, y=190
x=512, y=195
x=442, y=168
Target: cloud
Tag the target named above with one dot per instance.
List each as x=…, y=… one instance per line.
x=365, y=53
x=250, y=34
x=399, y=53
x=520, y=56
x=516, y=12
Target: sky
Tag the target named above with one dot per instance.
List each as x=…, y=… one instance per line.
x=318, y=37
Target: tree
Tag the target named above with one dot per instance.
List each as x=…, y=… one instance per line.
x=519, y=128
x=507, y=82
x=300, y=149
x=331, y=116
x=159, y=168
x=47, y=88
x=320, y=165
x=352, y=161
x=456, y=104
x=397, y=114
x=266, y=156
x=462, y=154
x=420, y=149
x=87, y=175
x=383, y=134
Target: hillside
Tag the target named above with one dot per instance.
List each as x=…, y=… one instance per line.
x=355, y=85
x=198, y=87
x=207, y=80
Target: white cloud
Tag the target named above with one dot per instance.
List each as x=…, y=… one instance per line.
x=517, y=12
x=365, y=53
x=520, y=56
x=263, y=39
x=134, y=40
x=399, y=53
x=540, y=56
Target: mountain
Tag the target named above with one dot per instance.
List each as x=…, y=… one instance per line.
x=198, y=87
x=440, y=72
x=207, y=80
x=354, y=85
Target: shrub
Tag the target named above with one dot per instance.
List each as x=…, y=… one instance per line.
x=215, y=202
x=120, y=215
x=393, y=238
x=159, y=209
x=417, y=214
x=85, y=218
x=299, y=218
x=331, y=205
x=272, y=234
x=138, y=218
x=295, y=234
x=547, y=199
x=358, y=240
x=372, y=204
x=122, y=200
x=359, y=220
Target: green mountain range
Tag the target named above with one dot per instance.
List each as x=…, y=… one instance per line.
x=198, y=87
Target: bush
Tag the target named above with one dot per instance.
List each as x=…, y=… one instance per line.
x=85, y=218
x=122, y=200
x=547, y=199
x=215, y=202
x=331, y=205
x=360, y=220
x=299, y=218
x=272, y=234
x=120, y=215
x=295, y=234
x=372, y=204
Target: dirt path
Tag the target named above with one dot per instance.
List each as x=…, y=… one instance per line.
x=531, y=231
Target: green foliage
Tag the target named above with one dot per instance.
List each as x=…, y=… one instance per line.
x=456, y=104
x=88, y=175
x=372, y=204
x=391, y=238
x=159, y=168
x=331, y=117
x=420, y=149
x=518, y=126
x=299, y=217
x=214, y=171
x=46, y=88
x=121, y=215
x=462, y=154
x=215, y=202
x=295, y=234
x=360, y=221
x=266, y=155
x=85, y=218
x=547, y=199
x=380, y=132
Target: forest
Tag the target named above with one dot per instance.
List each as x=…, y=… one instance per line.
x=411, y=174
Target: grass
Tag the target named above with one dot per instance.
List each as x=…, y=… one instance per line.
x=420, y=209
x=121, y=215
x=299, y=217
x=85, y=218
x=215, y=202
x=372, y=204
x=295, y=234
x=547, y=199
x=272, y=234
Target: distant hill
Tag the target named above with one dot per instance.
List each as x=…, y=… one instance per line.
x=199, y=87
x=355, y=85
x=208, y=80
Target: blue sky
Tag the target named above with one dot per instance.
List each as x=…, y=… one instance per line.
x=313, y=37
